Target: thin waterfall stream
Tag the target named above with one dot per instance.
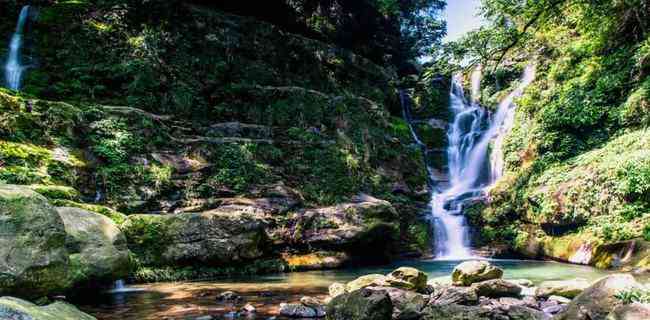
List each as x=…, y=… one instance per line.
x=14, y=67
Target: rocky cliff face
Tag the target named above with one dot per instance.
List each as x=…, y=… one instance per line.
x=211, y=127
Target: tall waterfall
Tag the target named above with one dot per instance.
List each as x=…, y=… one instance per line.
x=14, y=67
x=470, y=170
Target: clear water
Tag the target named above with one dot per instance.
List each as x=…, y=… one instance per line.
x=472, y=169
x=186, y=300
x=14, y=68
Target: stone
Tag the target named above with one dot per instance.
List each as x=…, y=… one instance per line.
x=456, y=312
x=633, y=311
x=520, y=312
x=311, y=302
x=320, y=260
x=336, y=289
x=33, y=258
x=293, y=310
x=229, y=296
x=470, y=272
x=216, y=237
x=365, y=281
x=555, y=309
x=16, y=309
x=559, y=299
x=248, y=308
x=97, y=248
x=204, y=318
x=599, y=300
x=406, y=304
x=568, y=288
x=454, y=295
x=496, y=288
x=407, y=278
x=363, y=304
x=523, y=282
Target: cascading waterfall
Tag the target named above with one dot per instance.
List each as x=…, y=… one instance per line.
x=14, y=67
x=470, y=170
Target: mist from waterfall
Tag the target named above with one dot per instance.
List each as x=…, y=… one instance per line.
x=14, y=67
x=471, y=170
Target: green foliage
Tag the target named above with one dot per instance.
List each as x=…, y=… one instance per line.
x=238, y=167
x=113, y=141
x=167, y=274
x=634, y=295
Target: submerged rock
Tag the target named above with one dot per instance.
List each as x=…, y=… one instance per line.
x=598, y=301
x=470, y=272
x=568, y=288
x=97, y=248
x=33, y=257
x=363, y=304
x=17, y=309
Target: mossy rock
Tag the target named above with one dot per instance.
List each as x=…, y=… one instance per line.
x=33, y=256
x=14, y=308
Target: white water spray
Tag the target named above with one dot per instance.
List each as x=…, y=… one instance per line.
x=470, y=172
x=14, y=68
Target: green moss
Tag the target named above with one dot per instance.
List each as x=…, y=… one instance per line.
x=57, y=192
x=147, y=238
x=167, y=274
x=114, y=215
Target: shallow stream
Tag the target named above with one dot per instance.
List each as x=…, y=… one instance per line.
x=189, y=300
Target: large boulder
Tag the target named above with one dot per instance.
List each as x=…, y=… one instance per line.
x=407, y=278
x=496, y=288
x=216, y=237
x=363, y=304
x=406, y=304
x=17, y=309
x=33, y=257
x=443, y=295
x=598, y=301
x=566, y=288
x=97, y=248
x=456, y=312
x=367, y=227
x=470, y=272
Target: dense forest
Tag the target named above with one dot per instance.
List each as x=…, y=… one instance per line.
x=338, y=159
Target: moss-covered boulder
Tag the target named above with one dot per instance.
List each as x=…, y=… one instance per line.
x=97, y=248
x=407, y=278
x=33, y=256
x=470, y=272
x=365, y=281
x=17, y=309
x=217, y=237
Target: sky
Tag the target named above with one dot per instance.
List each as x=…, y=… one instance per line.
x=461, y=16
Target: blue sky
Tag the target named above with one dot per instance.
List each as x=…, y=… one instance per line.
x=461, y=16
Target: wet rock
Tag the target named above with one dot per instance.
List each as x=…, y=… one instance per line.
x=568, y=289
x=336, y=289
x=293, y=310
x=365, y=281
x=229, y=296
x=248, y=309
x=363, y=304
x=311, y=302
x=634, y=311
x=470, y=272
x=598, y=301
x=17, y=309
x=443, y=295
x=33, y=257
x=496, y=288
x=407, y=278
x=96, y=247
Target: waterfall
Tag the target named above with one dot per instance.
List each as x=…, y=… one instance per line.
x=120, y=287
x=470, y=169
x=13, y=67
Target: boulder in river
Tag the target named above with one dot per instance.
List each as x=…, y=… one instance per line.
x=443, y=295
x=365, y=281
x=598, y=301
x=407, y=278
x=17, y=309
x=96, y=247
x=299, y=310
x=496, y=288
x=470, y=272
x=336, y=289
x=566, y=288
x=362, y=304
x=33, y=257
